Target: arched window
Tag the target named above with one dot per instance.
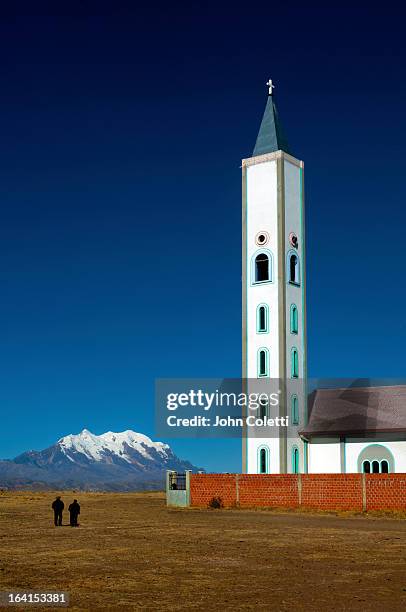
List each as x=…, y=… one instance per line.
x=376, y=459
x=294, y=363
x=262, y=319
x=295, y=410
x=294, y=319
x=295, y=460
x=375, y=467
x=293, y=268
x=263, y=408
x=263, y=362
x=262, y=268
x=263, y=460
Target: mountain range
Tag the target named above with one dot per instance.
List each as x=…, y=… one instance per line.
x=125, y=461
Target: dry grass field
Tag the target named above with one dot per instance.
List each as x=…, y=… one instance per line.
x=132, y=553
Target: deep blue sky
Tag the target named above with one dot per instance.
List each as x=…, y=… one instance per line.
x=122, y=131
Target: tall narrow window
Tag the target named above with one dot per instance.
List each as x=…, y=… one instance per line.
x=294, y=323
x=263, y=408
x=295, y=460
x=295, y=363
x=263, y=461
x=295, y=410
x=293, y=268
x=262, y=319
x=366, y=467
x=262, y=271
x=375, y=467
x=263, y=362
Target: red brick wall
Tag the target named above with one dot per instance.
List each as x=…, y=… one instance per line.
x=319, y=491
x=385, y=491
x=203, y=487
x=268, y=490
x=332, y=491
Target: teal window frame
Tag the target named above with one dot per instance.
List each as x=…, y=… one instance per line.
x=295, y=410
x=263, y=452
x=295, y=460
x=269, y=255
x=294, y=319
x=296, y=281
x=260, y=373
x=294, y=366
x=265, y=330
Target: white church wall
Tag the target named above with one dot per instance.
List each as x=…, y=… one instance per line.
x=254, y=445
x=262, y=216
x=294, y=296
x=324, y=458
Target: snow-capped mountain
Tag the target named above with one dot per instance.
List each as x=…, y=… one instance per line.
x=110, y=445
x=111, y=461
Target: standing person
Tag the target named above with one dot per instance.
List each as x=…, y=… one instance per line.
x=74, y=511
x=58, y=507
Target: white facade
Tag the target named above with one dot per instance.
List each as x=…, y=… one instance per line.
x=273, y=227
x=324, y=458
x=348, y=456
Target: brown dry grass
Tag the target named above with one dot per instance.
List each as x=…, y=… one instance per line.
x=132, y=553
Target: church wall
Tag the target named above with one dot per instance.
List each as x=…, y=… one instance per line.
x=262, y=216
x=324, y=458
x=272, y=444
x=294, y=295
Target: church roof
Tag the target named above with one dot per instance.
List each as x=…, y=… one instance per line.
x=356, y=411
x=270, y=136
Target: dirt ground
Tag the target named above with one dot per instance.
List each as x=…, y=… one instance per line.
x=132, y=553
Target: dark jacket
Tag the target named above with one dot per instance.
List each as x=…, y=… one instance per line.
x=58, y=505
x=74, y=508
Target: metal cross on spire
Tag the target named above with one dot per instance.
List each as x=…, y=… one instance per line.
x=271, y=86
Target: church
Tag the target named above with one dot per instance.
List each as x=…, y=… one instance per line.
x=339, y=430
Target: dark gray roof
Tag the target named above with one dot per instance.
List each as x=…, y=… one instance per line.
x=270, y=136
x=356, y=411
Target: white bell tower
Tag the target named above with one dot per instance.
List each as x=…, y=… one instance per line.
x=273, y=292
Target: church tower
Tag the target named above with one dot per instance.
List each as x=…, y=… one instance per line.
x=273, y=294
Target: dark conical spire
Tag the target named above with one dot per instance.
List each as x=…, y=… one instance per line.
x=270, y=136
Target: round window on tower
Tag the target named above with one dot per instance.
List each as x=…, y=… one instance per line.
x=261, y=238
x=293, y=240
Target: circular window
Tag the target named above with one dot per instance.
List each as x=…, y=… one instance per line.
x=262, y=238
x=293, y=239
